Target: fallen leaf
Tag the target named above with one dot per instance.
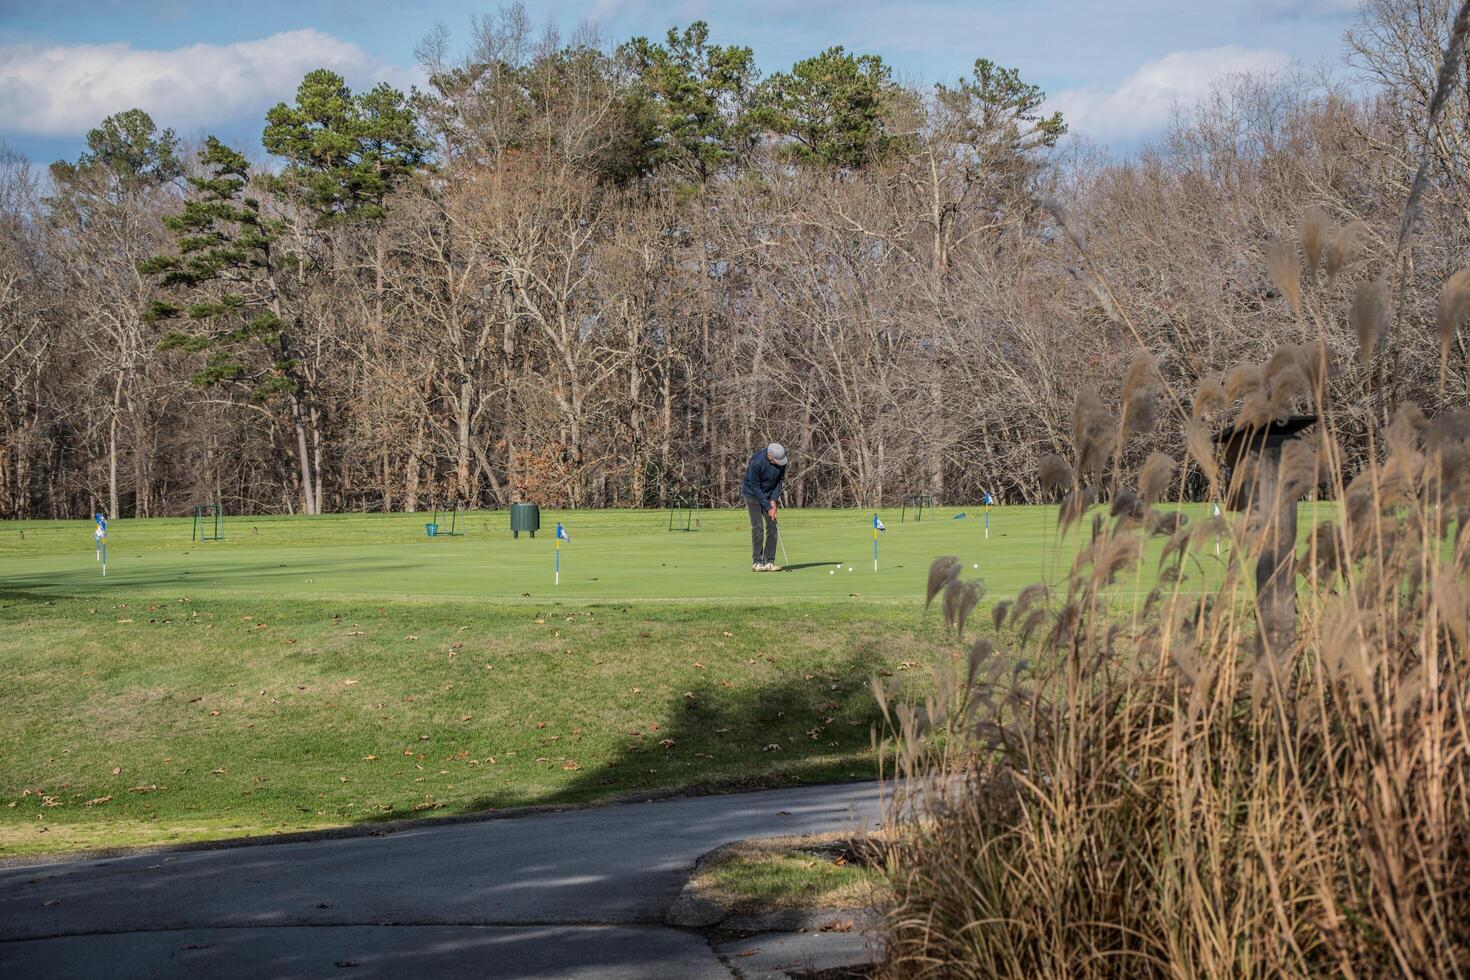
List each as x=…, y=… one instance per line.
x=98, y=801
x=727, y=633
x=570, y=766
x=117, y=770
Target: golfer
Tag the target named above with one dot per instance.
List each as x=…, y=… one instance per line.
x=761, y=489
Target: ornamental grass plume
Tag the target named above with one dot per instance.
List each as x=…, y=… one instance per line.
x=1110, y=786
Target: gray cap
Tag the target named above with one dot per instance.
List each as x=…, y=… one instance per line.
x=776, y=453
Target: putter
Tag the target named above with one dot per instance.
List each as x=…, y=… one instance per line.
x=782, y=539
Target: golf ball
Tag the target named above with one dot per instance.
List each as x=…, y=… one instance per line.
x=975, y=566
x=831, y=571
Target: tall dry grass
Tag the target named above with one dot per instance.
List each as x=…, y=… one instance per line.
x=1191, y=783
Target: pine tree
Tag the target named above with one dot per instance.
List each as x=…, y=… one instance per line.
x=701, y=92
x=831, y=108
x=225, y=295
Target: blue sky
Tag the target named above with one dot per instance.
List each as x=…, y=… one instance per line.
x=1116, y=68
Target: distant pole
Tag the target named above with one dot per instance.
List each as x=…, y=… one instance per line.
x=561, y=535
x=877, y=527
x=99, y=538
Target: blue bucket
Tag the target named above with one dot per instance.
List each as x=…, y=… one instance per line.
x=431, y=529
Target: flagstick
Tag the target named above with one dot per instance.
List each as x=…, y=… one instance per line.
x=558, y=561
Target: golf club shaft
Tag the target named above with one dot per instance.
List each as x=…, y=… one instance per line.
x=782, y=538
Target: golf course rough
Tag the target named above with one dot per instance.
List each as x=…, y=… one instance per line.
x=310, y=672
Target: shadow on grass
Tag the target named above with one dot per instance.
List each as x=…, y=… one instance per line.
x=801, y=728
x=49, y=586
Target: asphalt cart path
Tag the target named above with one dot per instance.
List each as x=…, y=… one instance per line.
x=580, y=893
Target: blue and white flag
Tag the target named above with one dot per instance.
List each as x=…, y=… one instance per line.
x=877, y=524
x=561, y=534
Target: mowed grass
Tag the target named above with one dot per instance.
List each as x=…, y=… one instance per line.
x=314, y=672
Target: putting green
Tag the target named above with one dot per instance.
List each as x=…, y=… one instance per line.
x=627, y=555
x=318, y=671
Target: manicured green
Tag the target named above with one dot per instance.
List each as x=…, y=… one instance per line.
x=311, y=672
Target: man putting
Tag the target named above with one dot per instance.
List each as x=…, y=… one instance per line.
x=761, y=489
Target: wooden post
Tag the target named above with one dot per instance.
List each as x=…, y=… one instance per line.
x=1276, y=565
x=1253, y=453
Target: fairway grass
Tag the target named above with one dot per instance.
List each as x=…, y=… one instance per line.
x=314, y=672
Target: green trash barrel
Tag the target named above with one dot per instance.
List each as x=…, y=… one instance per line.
x=524, y=517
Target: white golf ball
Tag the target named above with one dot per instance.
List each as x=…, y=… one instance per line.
x=831, y=571
x=975, y=566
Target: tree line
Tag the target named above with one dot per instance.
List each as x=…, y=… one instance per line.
x=594, y=275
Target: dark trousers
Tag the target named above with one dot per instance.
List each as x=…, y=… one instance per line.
x=762, y=533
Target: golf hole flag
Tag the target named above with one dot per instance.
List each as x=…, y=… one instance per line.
x=561, y=535
x=988, y=501
x=877, y=527
x=99, y=538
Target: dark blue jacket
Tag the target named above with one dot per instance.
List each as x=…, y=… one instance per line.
x=762, y=479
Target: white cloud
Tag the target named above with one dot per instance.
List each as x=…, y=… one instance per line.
x=1144, y=102
x=65, y=90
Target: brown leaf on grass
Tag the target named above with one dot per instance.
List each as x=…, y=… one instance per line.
x=368, y=758
x=98, y=801
x=570, y=766
x=727, y=633
x=117, y=770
